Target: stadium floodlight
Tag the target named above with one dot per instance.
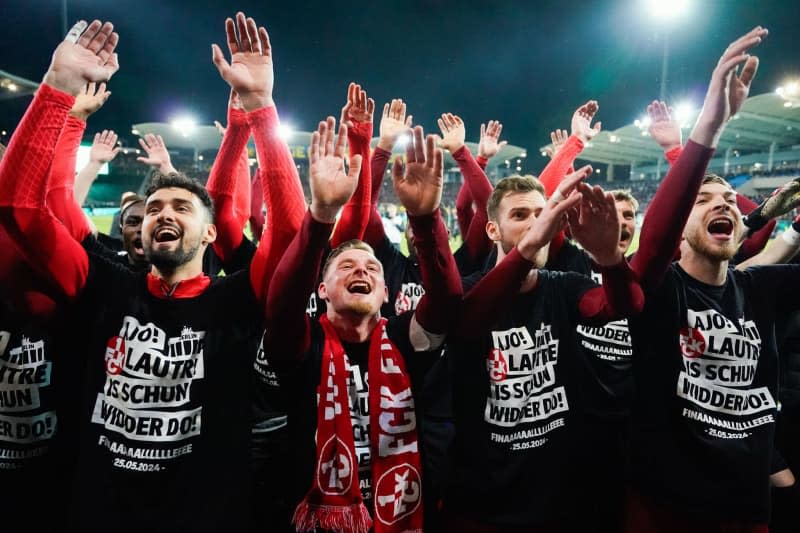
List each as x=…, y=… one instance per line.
x=792, y=88
x=184, y=125
x=285, y=131
x=683, y=113
x=667, y=9
x=403, y=140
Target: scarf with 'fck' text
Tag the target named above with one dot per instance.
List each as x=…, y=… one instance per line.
x=334, y=501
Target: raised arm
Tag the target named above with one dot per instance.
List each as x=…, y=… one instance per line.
x=229, y=182
x=86, y=55
x=61, y=181
x=419, y=188
x=674, y=198
x=781, y=250
x=298, y=270
x=394, y=124
x=563, y=159
x=357, y=116
x=250, y=75
x=104, y=149
x=476, y=240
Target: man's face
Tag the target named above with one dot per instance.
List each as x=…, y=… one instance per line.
x=516, y=213
x=131, y=226
x=354, y=284
x=175, y=227
x=627, y=220
x=715, y=223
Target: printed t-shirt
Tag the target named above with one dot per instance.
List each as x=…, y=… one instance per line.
x=167, y=405
x=519, y=450
x=706, y=374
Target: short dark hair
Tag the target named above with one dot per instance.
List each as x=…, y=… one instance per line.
x=710, y=177
x=512, y=185
x=353, y=244
x=180, y=180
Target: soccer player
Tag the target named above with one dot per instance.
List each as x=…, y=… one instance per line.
x=351, y=375
x=166, y=398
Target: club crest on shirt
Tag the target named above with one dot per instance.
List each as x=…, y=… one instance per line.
x=408, y=297
x=398, y=493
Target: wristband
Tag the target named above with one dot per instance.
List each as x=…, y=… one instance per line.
x=791, y=236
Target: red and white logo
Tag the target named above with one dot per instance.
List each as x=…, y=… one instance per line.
x=335, y=468
x=115, y=355
x=497, y=365
x=692, y=342
x=398, y=493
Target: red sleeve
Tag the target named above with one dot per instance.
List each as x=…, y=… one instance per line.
x=464, y=211
x=256, y=206
x=668, y=212
x=41, y=239
x=439, y=274
x=673, y=155
x=356, y=212
x=283, y=196
x=492, y=294
x=757, y=240
x=476, y=240
x=374, y=233
x=558, y=167
x=296, y=274
x=61, y=183
x=620, y=295
x=224, y=188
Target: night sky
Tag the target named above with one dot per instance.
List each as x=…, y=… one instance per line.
x=528, y=64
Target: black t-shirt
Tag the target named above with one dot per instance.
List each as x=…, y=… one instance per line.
x=300, y=387
x=37, y=433
x=706, y=373
x=166, y=411
x=520, y=449
x=403, y=279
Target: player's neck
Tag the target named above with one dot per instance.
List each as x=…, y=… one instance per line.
x=353, y=327
x=189, y=270
x=703, y=268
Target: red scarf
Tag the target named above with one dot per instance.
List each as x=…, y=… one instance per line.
x=334, y=501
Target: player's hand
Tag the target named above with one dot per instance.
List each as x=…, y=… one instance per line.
x=86, y=55
x=419, y=186
x=331, y=187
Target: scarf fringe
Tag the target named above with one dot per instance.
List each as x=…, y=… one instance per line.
x=340, y=518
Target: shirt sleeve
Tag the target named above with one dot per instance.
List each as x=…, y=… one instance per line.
x=356, y=212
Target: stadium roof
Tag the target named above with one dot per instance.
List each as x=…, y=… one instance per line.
x=203, y=138
x=763, y=119
x=13, y=86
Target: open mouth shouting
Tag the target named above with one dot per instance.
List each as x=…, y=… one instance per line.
x=166, y=233
x=138, y=248
x=721, y=228
x=359, y=287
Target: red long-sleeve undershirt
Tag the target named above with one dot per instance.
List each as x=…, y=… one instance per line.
x=44, y=242
x=755, y=242
x=256, y=206
x=356, y=212
x=229, y=185
x=298, y=273
x=620, y=295
x=61, y=182
x=668, y=212
x=476, y=240
x=464, y=209
x=283, y=196
x=374, y=233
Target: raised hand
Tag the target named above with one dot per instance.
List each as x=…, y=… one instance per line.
x=595, y=224
x=490, y=142
x=394, y=123
x=88, y=101
x=157, y=154
x=453, y=132
x=85, y=55
x=781, y=201
x=582, y=121
x=663, y=128
x=551, y=219
x=359, y=108
x=104, y=147
x=331, y=188
x=558, y=138
x=419, y=187
x=250, y=72
x=727, y=89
